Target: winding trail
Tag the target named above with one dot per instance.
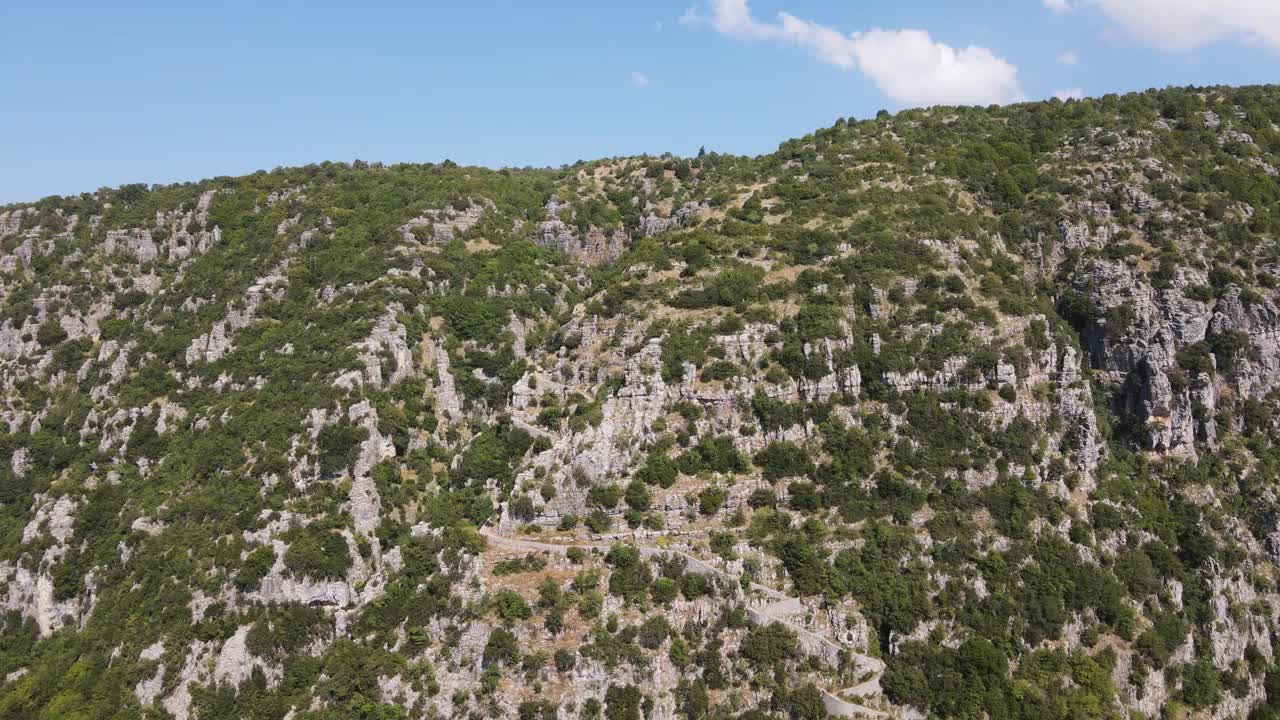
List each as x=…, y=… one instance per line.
x=779, y=608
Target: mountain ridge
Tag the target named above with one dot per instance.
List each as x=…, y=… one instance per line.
x=991, y=392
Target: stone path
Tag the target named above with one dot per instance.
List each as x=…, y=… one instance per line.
x=779, y=608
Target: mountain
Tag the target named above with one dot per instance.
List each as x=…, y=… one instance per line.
x=960, y=412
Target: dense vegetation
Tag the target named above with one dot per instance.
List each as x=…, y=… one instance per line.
x=992, y=391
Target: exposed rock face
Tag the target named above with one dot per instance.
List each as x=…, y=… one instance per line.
x=18, y=340
x=596, y=246
x=31, y=592
x=1258, y=372
x=1144, y=357
x=441, y=226
x=653, y=224
x=364, y=495
x=281, y=588
x=137, y=243
x=32, y=595
x=388, y=337
x=148, y=689
x=20, y=257
x=1233, y=635
x=177, y=236
x=1076, y=408
x=1094, y=230
x=234, y=664
x=449, y=404
x=606, y=450
x=195, y=670
x=11, y=222
x=215, y=344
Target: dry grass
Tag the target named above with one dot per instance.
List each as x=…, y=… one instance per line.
x=480, y=245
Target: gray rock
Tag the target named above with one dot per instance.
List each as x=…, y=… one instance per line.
x=215, y=344
x=388, y=336
x=136, y=242
x=596, y=246
x=652, y=224
x=447, y=223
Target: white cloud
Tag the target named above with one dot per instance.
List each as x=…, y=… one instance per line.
x=1068, y=57
x=907, y=65
x=733, y=17
x=1188, y=24
x=1072, y=94
x=911, y=68
x=1058, y=6
x=639, y=79
x=827, y=44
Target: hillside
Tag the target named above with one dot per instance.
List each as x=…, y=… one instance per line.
x=960, y=412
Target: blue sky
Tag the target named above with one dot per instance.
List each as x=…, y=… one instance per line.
x=101, y=94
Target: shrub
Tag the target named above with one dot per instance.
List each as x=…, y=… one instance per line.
x=711, y=499
x=715, y=454
x=694, y=585
x=510, y=605
x=679, y=347
x=512, y=566
x=565, y=660
x=805, y=703
x=1231, y=347
x=1201, y=684
x=768, y=645
x=630, y=577
x=783, y=459
x=658, y=470
x=599, y=522
x=803, y=496
x=337, y=446
x=762, y=498
x=604, y=496
x=720, y=370
x=255, y=567
x=50, y=333
x=622, y=703
x=653, y=632
x=590, y=604
x=536, y=710
x=638, y=496
x=664, y=590
x=522, y=508
x=317, y=553
x=501, y=648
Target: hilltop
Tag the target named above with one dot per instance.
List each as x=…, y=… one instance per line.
x=955, y=412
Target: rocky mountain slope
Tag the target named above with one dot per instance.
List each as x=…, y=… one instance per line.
x=955, y=413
